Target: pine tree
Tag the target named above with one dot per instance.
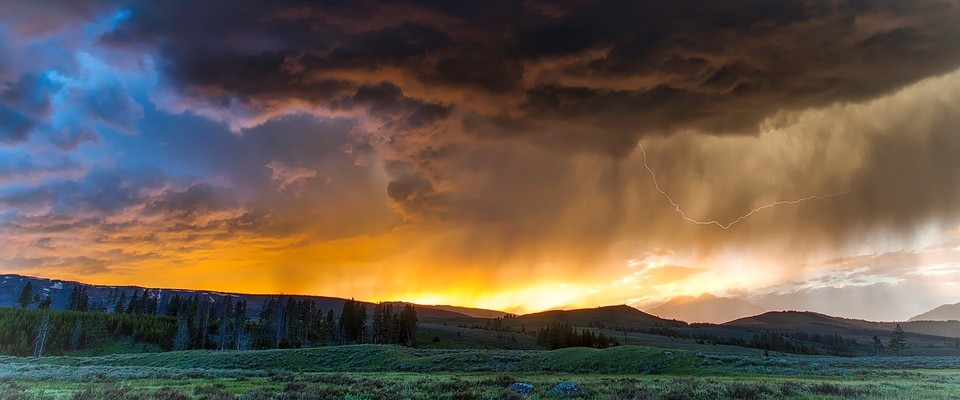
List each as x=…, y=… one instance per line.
x=408, y=325
x=240, y=324
x=26, y=296
x=173, y=306
x=134, y=302
x=121, y=305
x=898, y=340
x=45, y=303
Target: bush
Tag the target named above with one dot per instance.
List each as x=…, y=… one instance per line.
x=169, y=394
x=258, y=394
x=832, y=389
x=499, y=380
x=213, y=392
x=749, y=391
x=510, y=395
x=628, y=390
x=107, y=392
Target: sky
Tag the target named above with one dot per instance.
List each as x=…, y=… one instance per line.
x=516, y=155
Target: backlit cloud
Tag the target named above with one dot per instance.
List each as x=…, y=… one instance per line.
x=485, y=153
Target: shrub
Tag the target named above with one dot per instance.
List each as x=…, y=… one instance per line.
x=167, y=393
x=107, y=392
x=499, y=380
x=832, y=389
x=749, y=391
x=213, y=392
x=628, y=390
x=258, y=394
x=510, y=395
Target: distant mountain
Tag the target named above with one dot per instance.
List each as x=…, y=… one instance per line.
x=59, y=291
x=946, y=312
x=811, y=322
x=613, y=317
x=706, y=308
x=472, y=312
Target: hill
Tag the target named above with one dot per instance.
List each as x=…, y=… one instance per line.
x=59, y=292
x=946, y=312
x=705, y=308
x=811, y=322
x=470, y=312
x=621, y=317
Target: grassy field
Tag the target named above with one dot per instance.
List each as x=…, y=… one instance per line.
x=388, y=372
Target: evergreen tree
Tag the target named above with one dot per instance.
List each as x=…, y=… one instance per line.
x=26, y=296
x=173, y=306
x=45, y=303
x=898, y=340
x=121, y=305
x=134, y=302
x=353, y=320
x=330, y=326
x=240, y=324
x=408, y=325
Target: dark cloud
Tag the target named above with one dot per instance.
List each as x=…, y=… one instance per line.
x=22, y=104
x=572, y=76
x=696, y=65
x=486, y=135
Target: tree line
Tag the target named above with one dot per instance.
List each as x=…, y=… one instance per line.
x=193, y=322
x=559, y=336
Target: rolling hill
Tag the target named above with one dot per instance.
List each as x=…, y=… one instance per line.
x=946, y=312
x=811, y=322
x=706, y=308
x=611, y=317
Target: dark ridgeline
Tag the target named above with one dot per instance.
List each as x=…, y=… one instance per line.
x=150, y=320
x=52, y=317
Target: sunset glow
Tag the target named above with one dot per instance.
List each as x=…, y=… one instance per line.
x=449, y=153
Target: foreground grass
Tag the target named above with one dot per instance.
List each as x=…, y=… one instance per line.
x=372, y=358
x=389, y=372
x=478, y=386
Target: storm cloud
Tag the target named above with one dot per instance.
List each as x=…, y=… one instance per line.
x=477, y=142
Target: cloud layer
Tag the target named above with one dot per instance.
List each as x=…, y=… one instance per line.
x=484, y=154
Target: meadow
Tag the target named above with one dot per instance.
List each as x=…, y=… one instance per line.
x=394, y=372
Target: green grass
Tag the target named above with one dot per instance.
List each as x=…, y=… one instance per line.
x=484, y=386
x=390, y=372
x=371, y=358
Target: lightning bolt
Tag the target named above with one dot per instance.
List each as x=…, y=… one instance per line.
x=676, y=207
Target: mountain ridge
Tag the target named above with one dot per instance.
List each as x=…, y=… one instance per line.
x=706, y=308
x=945, y=312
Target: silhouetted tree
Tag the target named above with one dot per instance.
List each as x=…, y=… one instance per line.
x=121, y=305
x=79, y=300
x=26, y=296
x=898, y=340
x=45, y=303
x=408, y=325
x=353, y=319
